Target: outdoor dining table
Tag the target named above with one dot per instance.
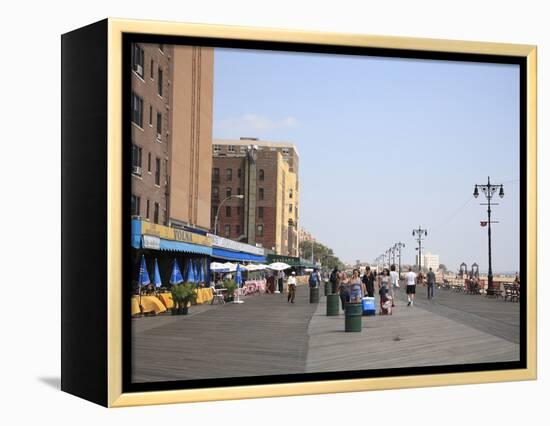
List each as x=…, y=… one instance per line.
x=204, y=295
x=150, y=304
x=135, y=306
x=166, y=299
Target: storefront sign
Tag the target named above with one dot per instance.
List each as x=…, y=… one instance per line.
x=151, y=242
x=174, y=234
x=226, y=243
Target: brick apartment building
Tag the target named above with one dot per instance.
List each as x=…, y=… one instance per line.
x=172, y=99
x=266, y=174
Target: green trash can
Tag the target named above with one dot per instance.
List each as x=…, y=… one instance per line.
x=333, y=305
x=314, y=295
x=327, y=288
x=354, y=315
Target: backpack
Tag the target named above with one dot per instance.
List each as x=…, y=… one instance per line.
x=313, y=279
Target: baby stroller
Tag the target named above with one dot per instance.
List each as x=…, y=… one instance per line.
x=385, y=302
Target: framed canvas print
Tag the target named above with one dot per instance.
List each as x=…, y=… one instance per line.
x=250, y=212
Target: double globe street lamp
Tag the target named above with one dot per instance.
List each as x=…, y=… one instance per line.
x=489, y=191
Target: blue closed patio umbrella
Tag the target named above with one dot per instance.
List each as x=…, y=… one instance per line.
x=191, y=273
x=238, y=280
x=143, y=278
x=156, y=277
x=176, y=276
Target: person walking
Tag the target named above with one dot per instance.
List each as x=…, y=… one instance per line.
x=357, y=288
x=334, y=280
x=430, y=278
x=410, y=278
x=343, y=289
x=280, y=280
x=368, y=281
x=384, y=290
x=314, y=279
x=394, y=278
x=291, y=284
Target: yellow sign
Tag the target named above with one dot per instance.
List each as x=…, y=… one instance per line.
x=174, y=234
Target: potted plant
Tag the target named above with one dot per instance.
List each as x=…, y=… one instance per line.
x=183, y=295
x=230, y=286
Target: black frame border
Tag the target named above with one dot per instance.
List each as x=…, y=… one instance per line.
x=129, y=38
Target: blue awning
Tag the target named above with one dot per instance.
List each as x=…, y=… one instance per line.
x=236, y=255
x=169, y=245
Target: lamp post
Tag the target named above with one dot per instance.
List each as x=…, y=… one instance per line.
x=218, y=210
x=489, y=190
x=419, y=233
x=398, y=246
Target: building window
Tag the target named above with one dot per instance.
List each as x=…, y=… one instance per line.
x=215, y=192
x=238, y=230
x=147, y=210
x=260, y=212
x=243, y=149
x=159, y=125
x=227, y=211
x=290, y=208
x=157, y=173
x=230, y=148
x=229, y=175
x=159, y=82
x=227, y=231
x=238, y=210
x=149, y=162
x=285, y=151
x=290, y=193
x=216, y=174
x=261, y=174
x=150, y=115
x=137, y=110
x=239, y=191
x=156, y=213
x=260, y=194
x=260, y=231
x=239, y=173
x=152, y=69
x=228, y=192
x=136, y=160
x=135, y=205
x=217, y=149
x=137, y=60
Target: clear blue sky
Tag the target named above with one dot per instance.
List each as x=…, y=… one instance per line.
x=385, y=145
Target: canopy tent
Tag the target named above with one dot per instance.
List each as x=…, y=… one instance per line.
x=278, y=266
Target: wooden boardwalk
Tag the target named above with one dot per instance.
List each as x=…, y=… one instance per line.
x=265, y=335
x=412, y=336
x=268, y=336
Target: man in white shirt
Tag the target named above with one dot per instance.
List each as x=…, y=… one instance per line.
x=291, y=282
x=410, y=278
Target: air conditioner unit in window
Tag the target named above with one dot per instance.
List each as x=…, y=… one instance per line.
x=139, y=69
x=136, y=170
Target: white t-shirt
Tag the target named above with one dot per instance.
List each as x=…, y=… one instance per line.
x=291, y=280
x=411, y=278
x=394, y=278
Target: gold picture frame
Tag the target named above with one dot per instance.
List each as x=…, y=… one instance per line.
x=116, y=28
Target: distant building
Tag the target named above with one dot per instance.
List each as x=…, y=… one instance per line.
x=429, y=260
x=266, y=174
